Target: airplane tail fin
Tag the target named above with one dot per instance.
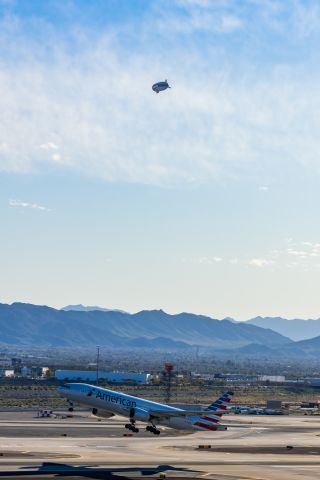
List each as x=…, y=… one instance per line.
x=210, y=420
x=221, y=404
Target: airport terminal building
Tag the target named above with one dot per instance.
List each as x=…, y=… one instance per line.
x=112, y=377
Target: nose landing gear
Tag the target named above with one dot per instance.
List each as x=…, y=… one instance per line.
x=70, y=409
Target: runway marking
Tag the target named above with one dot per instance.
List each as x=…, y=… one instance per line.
x=71, y=446
x=106, y=446
x=306, y=465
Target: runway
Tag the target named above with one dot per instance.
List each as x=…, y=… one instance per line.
x=253, y=448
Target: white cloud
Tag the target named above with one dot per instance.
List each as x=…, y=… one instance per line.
x=202, y=260
x=297, y=18
x=303, y=255
x=49, y=146
x=260, y=262
x=263, y=188
x=234, y=261
x=20, y=204
x=311, y=249
x=306, y=16
x=293, y=257
x=209, y=260
x=230, y=23
x=299, y=255
x=196, y=16
x=56, y=157
x=193, y=3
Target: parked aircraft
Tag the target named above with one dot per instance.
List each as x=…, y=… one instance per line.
x=110, y=403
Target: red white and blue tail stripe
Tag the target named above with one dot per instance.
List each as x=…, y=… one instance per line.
x=212, y=415
x=222, y=403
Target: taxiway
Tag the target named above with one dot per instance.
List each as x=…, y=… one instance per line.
x=257, y=447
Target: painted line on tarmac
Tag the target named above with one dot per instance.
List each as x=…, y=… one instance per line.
x=304, y=465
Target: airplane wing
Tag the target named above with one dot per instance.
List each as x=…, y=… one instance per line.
x=178, y=413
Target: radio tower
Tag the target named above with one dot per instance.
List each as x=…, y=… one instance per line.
x=168, y=376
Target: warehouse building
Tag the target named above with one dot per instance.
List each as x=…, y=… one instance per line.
x=242, y=377
x=112, y=377
x=272, y=378
x=34, y=372
x=6, y=372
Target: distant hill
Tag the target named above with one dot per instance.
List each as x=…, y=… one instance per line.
x=255, y=350
x=304, y=348
x=158, y=342
x=83, y=308
x=26, y=324
x=296, y=329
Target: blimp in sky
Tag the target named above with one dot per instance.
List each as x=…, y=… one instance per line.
x=159, y=86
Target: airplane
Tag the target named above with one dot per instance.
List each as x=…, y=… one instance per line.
x=113, y=403
x=160, y=86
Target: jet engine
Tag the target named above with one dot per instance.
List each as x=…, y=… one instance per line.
x=102, y=413
x=139, y=414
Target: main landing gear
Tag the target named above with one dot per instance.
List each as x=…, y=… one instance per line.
x=70, y=409
x=149, y=428
x=152, y=429
x=132, y=427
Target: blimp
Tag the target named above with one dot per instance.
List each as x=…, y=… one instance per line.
x=160, y=86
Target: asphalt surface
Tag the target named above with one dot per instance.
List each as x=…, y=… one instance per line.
x=277, y=448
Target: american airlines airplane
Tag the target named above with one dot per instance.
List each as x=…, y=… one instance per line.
x=110, y=403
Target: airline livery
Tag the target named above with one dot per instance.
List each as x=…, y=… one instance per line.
x=110, y=403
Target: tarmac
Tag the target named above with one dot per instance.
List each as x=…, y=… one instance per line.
x=253, y=448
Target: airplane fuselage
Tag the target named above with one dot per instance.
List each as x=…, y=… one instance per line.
x=118, y=403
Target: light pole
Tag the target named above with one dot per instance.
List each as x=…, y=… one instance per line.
x=98, y=358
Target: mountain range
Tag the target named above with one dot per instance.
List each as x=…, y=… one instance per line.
x=33, y=325
x=295, y=329
x=83, y=308
x=26, y=324
x=302, y=350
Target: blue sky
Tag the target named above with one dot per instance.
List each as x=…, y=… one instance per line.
x=203, y=198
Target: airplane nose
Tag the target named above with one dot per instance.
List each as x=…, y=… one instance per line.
x=62, y=390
